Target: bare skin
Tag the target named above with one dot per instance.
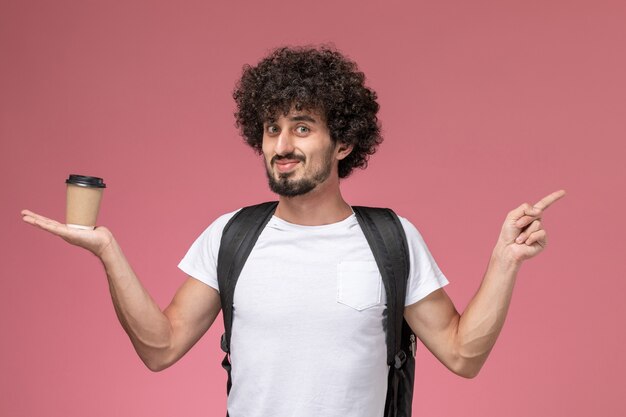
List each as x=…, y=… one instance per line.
x=461, y=342
x=159, y=337
x=324, y=204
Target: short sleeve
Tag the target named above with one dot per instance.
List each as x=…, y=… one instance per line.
x=424, y=274
x=200, y=262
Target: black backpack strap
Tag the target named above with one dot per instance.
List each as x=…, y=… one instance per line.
x=387, y=239
x=238, y=238
x=385, y=235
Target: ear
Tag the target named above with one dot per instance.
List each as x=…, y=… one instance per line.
x=343, y=150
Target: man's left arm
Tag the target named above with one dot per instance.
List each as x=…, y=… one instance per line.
x=462, y=342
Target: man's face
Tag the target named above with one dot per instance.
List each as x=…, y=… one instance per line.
x=299, y=153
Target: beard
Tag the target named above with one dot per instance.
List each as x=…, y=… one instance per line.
x=287, y=187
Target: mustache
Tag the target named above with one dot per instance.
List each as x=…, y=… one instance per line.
x=290, y=156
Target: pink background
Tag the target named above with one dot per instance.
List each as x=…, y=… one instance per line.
x=484, y=104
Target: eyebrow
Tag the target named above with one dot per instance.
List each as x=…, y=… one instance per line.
x=303, y=118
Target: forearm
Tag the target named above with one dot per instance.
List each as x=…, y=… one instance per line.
x=142, y=319
x=482, y=320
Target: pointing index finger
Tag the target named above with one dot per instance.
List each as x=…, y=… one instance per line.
x=547, y=201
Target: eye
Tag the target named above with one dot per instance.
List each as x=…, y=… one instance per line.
x=272, y=129
x=302, y=129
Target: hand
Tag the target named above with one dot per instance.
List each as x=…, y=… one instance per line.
x=95, y=241
x=522, y=235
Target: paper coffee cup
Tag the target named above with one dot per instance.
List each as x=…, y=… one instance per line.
x=84, y=194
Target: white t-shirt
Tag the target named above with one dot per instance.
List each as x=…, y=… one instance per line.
x=307, y=337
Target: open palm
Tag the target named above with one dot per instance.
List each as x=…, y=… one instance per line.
x=94, y=241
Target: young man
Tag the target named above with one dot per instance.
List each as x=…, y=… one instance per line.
x=308, y=336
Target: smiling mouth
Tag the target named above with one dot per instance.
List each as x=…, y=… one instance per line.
x=286, y=166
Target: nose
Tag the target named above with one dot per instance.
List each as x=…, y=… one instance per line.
x=284, y=143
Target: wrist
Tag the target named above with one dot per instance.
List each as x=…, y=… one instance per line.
x=503, y=261
x=109, y=251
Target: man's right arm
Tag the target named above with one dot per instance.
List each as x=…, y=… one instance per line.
x=159, y=337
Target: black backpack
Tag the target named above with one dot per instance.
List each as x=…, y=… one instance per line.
x=386, y=238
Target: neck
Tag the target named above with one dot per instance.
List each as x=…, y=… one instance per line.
x=322, y=205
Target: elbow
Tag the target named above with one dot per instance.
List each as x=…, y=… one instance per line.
x=468, y=373
x=156, y=357
x=155, y=365
x=465, y=369
x=468, y=362
x=466, y=366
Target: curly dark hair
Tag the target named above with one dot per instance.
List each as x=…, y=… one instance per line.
x=314, y=79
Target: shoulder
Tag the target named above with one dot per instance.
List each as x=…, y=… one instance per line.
x=409, y=228
x=200, y=261
x=414, y=238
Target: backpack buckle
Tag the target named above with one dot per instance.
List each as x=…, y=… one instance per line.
x=399, y=359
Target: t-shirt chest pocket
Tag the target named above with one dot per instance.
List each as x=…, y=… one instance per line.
x=359, y=284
